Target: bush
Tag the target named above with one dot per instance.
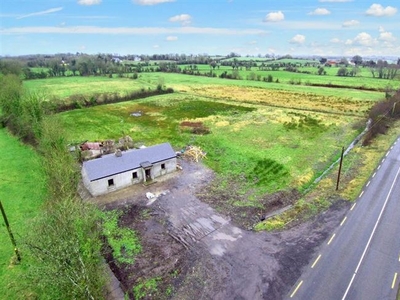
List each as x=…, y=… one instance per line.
x=381, y=115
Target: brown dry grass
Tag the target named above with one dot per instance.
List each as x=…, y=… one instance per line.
x=277, y=98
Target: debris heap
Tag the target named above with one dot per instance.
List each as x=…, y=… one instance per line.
x=194, y=153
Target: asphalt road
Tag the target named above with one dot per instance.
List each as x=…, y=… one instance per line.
x=361, y=259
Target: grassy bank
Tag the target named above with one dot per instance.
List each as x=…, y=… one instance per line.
x=22, y=192
x=357, y=169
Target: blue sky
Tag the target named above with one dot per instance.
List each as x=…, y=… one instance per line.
x=248, y=27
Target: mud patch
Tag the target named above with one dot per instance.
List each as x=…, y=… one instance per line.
x=194, y=252
x=223, y=195
x=160, y=261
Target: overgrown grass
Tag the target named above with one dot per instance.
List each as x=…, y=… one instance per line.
x=66, y=86
x=147, y=288
x=123, y=241
x=159, y=122
x=243, y=136
x=357, y=169
x=181, y=82
x=22, y=192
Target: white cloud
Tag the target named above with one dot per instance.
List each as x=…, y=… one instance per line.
x=151, y=2
x=171, y=38
x=89, y=2
x=184, y=19
x=348, y=42
x=156, y=46
x=130, y=30
x=350, y=23
x=378, y=10
x=364, y=39
x=274, y=17
x=387, y=37
x=298, y=39
x=320, y=12
x=336, y=41
x=44, y=12
x=341, y=1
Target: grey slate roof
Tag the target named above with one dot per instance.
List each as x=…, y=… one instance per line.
x=110, y=164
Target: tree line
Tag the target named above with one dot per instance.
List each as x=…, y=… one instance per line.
x=80, y=64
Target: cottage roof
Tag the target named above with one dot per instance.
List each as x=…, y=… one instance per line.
x=110, y=164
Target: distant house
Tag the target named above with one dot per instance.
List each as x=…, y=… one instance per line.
x=331, y=63
x=115, y=171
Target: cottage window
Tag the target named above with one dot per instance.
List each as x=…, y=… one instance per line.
x=162, y=166
x=134, y=175
x=110, y=182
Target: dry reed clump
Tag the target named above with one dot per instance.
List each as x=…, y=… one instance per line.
x=306, y=101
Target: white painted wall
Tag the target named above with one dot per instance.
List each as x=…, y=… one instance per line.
x=99, y=187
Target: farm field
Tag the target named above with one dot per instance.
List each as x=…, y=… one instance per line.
x=363, y=79
x=184, y=83
x=66, y=86
x=263, y=136
x=22, y=191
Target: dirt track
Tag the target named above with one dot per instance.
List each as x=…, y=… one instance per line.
x=200, y=253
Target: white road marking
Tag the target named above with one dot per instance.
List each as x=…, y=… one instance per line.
x=298, y=286
x=394, y=280
x=383, y=160
x=330, y=241
x=315, y=262
x=379, y=167
x=372, y=234
x=344, y=220
x=353, y=208
x=368, y=183
x=374, y=175
x=362, y=193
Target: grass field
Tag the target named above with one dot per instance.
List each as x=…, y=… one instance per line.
x=271, y=135
x=364, y=78
x=22, y=191
x=185, y=83
x=246, y=137
x=66, y=86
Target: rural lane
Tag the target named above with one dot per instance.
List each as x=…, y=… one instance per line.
x=361, y=259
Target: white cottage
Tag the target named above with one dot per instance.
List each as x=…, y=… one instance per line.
x=116, y=171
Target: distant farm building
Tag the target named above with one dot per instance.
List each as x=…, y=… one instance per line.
x=115, y=171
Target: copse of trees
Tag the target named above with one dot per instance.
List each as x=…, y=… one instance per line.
x=382, y=114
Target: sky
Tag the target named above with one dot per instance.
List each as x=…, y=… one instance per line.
x=215, y=27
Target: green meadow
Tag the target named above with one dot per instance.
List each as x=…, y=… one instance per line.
x=248, y=133
x=66, y=86
x=268, y=136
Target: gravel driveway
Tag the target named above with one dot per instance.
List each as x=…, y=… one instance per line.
x=223, y=261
